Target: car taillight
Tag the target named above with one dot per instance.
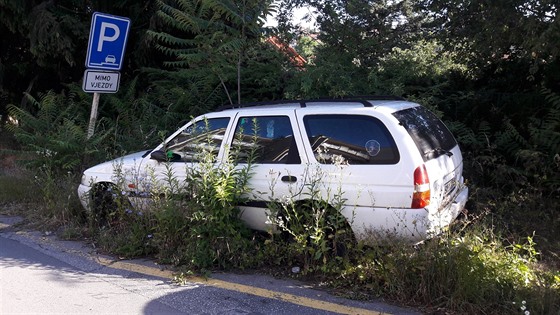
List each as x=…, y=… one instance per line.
x=421, y=195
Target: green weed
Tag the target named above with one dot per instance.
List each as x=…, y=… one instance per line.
x=319, y=236
x=192, y=221
x=469, y=273
x=17, y=189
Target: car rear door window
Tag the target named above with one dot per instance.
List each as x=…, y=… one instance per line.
x=358, y=139
x=265, y=139
x=431, y=136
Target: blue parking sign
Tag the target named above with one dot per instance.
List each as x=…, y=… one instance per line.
x=107, y=40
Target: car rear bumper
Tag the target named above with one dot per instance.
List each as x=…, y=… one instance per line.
x=413, y=225
x=445, y=216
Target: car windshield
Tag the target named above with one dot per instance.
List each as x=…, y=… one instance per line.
x=430, y=135
x=202, y=136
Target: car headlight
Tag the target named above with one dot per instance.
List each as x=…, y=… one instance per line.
x=84, y=181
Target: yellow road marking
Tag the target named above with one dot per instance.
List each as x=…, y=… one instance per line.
x=286, y=297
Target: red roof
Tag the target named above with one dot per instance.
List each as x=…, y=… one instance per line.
x=296, y=59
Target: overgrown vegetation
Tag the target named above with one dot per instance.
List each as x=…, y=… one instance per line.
x=193, y=223
x=495, y=85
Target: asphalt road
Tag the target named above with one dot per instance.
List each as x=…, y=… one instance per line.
x=40, y=274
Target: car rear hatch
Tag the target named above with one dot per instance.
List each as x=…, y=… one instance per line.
x=443, y=163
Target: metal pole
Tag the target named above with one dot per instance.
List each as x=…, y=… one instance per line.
x=93, y=115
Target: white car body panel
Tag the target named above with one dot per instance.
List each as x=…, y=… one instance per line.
x=378, y=196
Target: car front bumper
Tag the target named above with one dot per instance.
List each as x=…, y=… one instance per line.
x=84, y=194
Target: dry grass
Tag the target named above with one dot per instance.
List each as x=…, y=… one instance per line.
x=17, y=188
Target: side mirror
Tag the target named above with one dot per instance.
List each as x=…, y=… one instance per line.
x=158, y=156
x=162, y=156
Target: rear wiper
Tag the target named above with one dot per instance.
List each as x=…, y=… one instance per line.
x=438, y=151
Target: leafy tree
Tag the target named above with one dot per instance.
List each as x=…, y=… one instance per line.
x=493, y=33
x=354, y=36
x=365, y=29
x=509, y=51
x=43, y=43
x=306, y=47
x=15, y=57
x=425, y=72
x=211, y=38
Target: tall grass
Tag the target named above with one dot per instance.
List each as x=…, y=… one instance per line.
x=17, y=189
x=469, y=273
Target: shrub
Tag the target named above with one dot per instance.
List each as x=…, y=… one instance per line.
x=464, y=273
x=317, y=235
x=193, y=221
x=52, y=149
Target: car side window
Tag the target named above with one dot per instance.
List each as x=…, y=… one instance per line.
x=265, y=139
x=358, y=139
x=202, y=137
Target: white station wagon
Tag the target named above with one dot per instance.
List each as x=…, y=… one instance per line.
x=396, y=164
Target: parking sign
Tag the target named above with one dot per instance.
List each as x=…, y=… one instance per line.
x=107, y=40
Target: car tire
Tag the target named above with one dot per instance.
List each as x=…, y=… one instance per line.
x=339, y=236
x=104, y=204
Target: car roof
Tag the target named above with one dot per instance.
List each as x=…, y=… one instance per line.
x=386, y=105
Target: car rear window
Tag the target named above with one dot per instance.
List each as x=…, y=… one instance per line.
x=430, y=134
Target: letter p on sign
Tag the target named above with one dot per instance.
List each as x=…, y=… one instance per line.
x=103, y=36
x=107, y=40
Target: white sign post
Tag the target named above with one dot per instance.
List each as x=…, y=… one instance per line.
x=107, y=40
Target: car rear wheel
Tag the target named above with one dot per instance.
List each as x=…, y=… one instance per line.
x=338, y=237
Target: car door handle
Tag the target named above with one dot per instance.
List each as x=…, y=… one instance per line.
x=289, y=179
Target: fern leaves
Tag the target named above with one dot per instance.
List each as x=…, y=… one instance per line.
x=210, y=37
x=214, y=26
x=54, y=136
x=511, y=154
x=546, y=130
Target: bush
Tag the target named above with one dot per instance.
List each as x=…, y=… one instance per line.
x=192, y=222
x=53, y=151
x=468, y=273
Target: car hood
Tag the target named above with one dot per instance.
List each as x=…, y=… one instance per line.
x=106, y=170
